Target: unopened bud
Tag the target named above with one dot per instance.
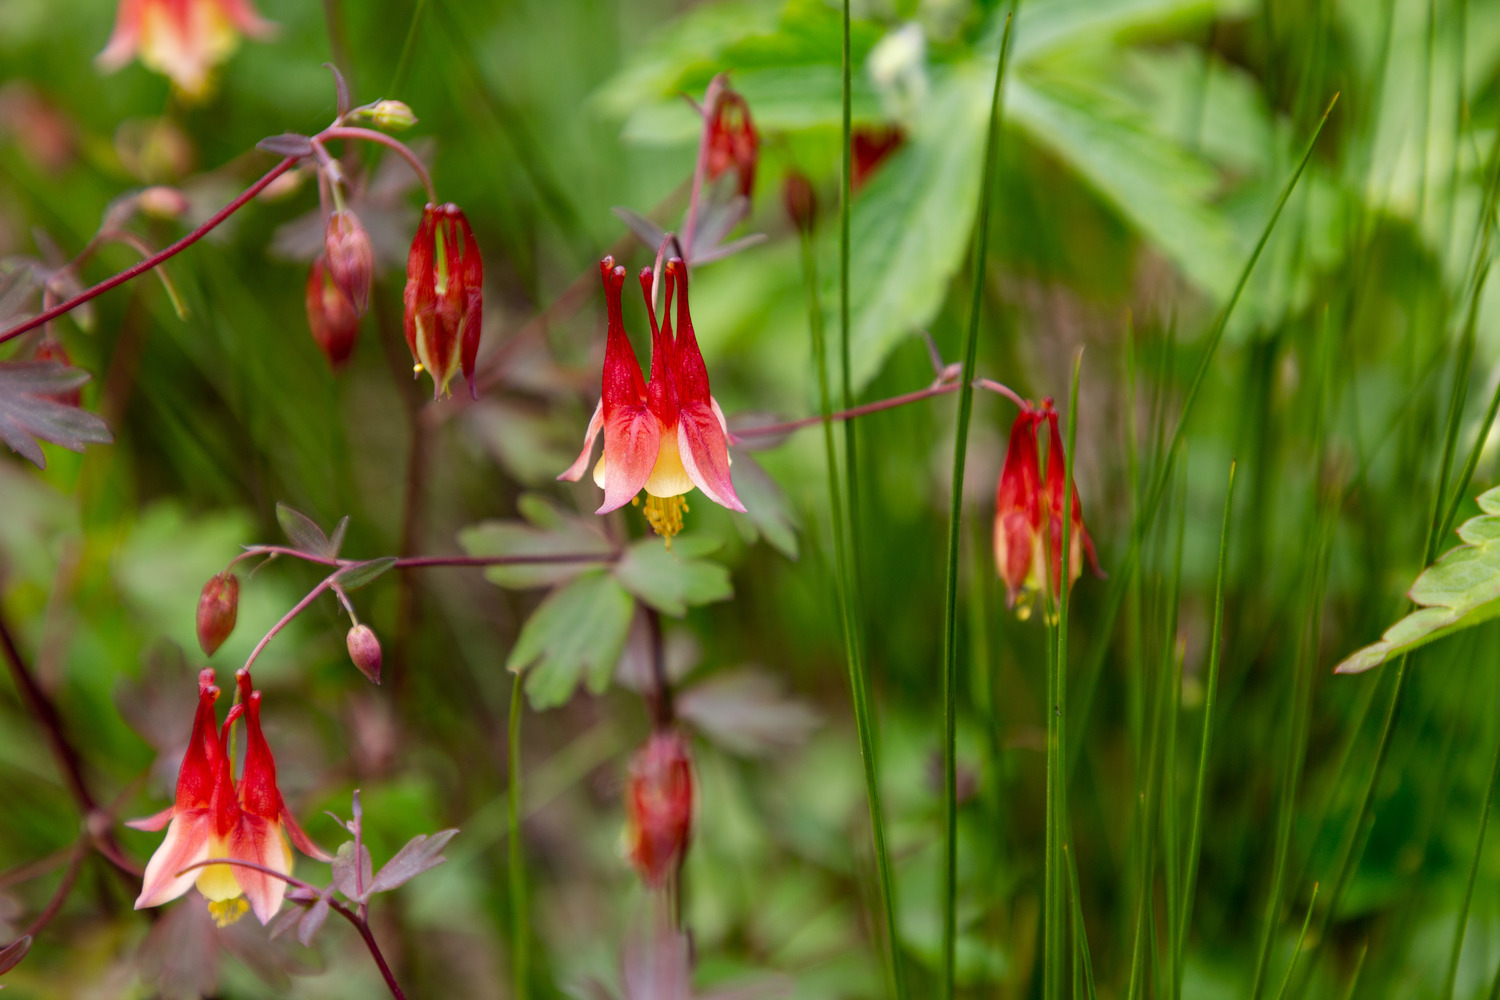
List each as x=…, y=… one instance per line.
x=330, y=316
x=800, y=200
x=351, y=258
x=659, y=806
x=392, y=115
x=364, y=650
x=218, y=607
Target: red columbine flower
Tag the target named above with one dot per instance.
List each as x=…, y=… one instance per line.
x=732, y=141
x=444, y=299
x=351, y=258
x=184, y=39
x=1022, y=546
x=330, y=315
x=1018, y=516
x=659, y=807
x=666, y=436
x=211, y=818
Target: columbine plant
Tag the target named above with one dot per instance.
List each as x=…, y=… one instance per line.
x=183, y=39
x=664, y=437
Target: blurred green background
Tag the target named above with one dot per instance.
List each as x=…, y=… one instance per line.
x=1144, y=146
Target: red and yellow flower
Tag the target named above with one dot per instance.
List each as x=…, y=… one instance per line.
x=1029, y=515
x=666, y=436
x=444, y=297
x=215, y=817
x=183, y=39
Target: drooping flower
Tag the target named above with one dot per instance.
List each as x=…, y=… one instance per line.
x=733, y=141
x=330, y=315
x=1029, y=515
x=665, y=436
x=659, y=807
x=183, y=39
x=1018, y=516
x=351, y=258
x=444, y=297
x=214, y=817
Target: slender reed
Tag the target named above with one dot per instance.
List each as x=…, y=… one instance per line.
x=520, y=955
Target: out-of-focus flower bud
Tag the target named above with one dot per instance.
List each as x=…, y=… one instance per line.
x=218, y=607
x=392, y=115
x=330, y=315
x=659, y=807
x=364, y=650
x=444, y=297
x=162, y=202
x=733, y=141
x=871, y=147
x=800, y=200
x=351, y=258
x=1018, y=517
x=51, y=350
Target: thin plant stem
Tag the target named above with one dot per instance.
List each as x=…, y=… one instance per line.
x=1297, y=951
x=1463, y=911
x=428, y=562
x=520, y=956
x=1215, y=655
x=135, y=270
x=286, y=619
x=60, y=896
x=1104, y=627
x=786, y=427
x=853, y=652
x=955, y=523
x=396, y=145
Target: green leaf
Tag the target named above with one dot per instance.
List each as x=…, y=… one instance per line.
x=1459, y=591
x=549, y=533
x=364, y=573
x=768, y=513
x=672, y=579
x=576, y=632
x=911, y=223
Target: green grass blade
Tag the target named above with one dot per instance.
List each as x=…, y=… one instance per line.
x=955, y=515
x=1081, y=954
x=1296, y=952
x=1215, y=655
x=1105, y=626
x=1463, y=911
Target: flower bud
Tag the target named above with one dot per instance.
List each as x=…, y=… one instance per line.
x=392, y=115
x=444, y=297
x=218, y=607
x=364, y=650
x=733, y=141
x=659, y=807
x=162, y=202
x=351, y=258
x=330, y=316
x=800, y=200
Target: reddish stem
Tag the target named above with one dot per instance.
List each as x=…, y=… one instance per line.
x=700, y=169
x=429, y=562
x=75, y=864
x=370, y=135
x=48, y=315
x=286, y=619
x=859, y=411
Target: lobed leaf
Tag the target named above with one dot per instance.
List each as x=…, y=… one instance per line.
x=344, y=875
x=422, y=853
x=30, y=413
x=576, y=632
x=549, y=532
x=670, y=580
x=1459, y=591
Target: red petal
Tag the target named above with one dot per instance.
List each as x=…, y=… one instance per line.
x=125, y=38
x=260, y=841
x=299, y=837
x=632, y=440
x=692, y=374
x=622, y=381
x=187, y=843
x=154, y=822
x=705, y=453
x=575, y=471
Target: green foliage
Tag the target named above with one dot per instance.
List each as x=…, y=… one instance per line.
x=1459, y=591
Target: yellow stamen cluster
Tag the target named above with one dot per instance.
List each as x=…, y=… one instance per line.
x=228, y=911
x=664, y=514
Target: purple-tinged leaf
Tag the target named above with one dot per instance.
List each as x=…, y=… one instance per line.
x=343, y=88
x=286, y=144
x=747, y=713
x=421, y=853
x=336, y=540
x=313, y=920
x=286, y=920
x=344, y=876
x=16, y=288
x=29, y=411
x=723, y=250
x=644, y=229
x=362, y=574
x=11, y=954
x=304, y=535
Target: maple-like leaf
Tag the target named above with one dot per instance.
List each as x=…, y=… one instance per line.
x=30, y=412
